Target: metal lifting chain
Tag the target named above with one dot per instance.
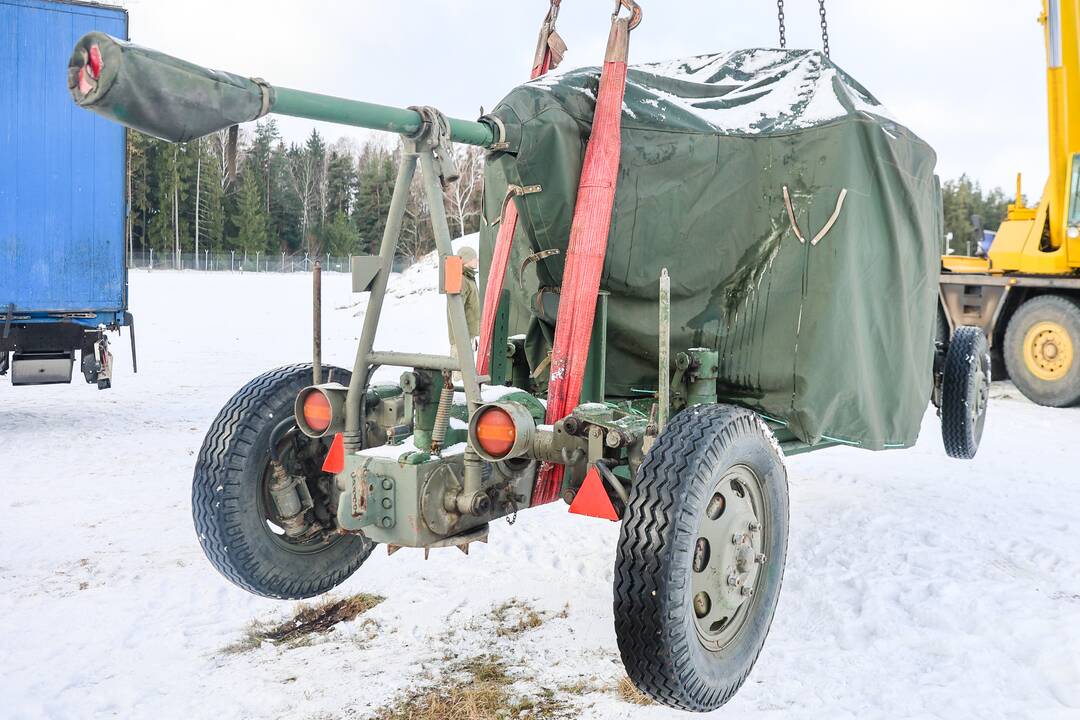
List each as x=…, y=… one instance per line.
x=824, y=27
x=783, y=30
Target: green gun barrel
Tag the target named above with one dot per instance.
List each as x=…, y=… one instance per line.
x=179, y=101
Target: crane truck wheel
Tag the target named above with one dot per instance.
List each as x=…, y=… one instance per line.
x=236, y=496
x=1042, y=350
x=965, y=392
x=701, y=557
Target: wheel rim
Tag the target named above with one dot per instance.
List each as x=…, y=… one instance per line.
x=980, y=394
x=1048, y=351
x=730, y=550
x=271, y=520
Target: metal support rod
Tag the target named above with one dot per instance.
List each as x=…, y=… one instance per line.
x=316, y=325
x=313, y=106
x=395, y=217
x=664, y=389
x=413, y=360
x=458, y=322
x=472, y=495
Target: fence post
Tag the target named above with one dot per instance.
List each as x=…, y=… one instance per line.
x=151, y=258
x=256, y=261
x=206, y=260
x=232, y=261
x=283, y=261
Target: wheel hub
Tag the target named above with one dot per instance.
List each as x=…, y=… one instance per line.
x=729, y=554
x=301, y=532
x=1048, y=351
x=982, y=391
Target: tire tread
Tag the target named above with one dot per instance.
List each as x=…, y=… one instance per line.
x=223, y=455
x=654, y=653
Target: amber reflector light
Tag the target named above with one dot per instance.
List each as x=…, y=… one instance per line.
x=495, y=432
x=317, y=413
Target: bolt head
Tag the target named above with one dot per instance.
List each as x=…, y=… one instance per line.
x=754, y=526
x=736, y=539
x=746, y=591
x=481, y=505
x=732, y=581
x=761, y=559
x=387, y=484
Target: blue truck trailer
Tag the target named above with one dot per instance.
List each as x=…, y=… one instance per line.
x=63, y=206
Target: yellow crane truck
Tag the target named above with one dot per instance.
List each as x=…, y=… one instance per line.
x=1025, y=294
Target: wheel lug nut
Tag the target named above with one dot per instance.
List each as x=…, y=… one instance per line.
x=761, y=559
x=746, y=591
x=754, y=526
x=732, y=581
x=736, y=539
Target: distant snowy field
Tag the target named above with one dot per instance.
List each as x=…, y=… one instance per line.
x=917, y=586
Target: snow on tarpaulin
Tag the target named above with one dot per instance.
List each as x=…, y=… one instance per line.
x=741, y=91
x=833, y=338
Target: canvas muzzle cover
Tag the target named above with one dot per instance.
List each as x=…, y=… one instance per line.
x=158, y=94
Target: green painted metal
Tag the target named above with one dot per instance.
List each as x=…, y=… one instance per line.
x=595, y=381
x=701, y=380
x=664, y=368
x=500, y=362
x=371, y=500
x=313, y=106
x=425, y=407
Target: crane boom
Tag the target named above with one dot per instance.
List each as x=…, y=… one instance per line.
x=1061, y=22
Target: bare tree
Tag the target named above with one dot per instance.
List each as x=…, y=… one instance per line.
x=322, y=185
x=417, y=238
x=463, y=198
x=303, y=174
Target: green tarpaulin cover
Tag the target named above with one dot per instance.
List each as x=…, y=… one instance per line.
x=834, y=338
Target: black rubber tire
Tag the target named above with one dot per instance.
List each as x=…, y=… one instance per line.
x=965, y=382
x=1064, y=392
x=228, y=481
x=654, y=622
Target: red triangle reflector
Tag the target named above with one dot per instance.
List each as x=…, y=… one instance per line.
x=335, y=459
x=592, y=499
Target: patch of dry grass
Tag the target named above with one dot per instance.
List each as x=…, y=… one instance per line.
x=309, y=619
x=628, y=692
x=480, y=692
x=480, y=688
x=515, y=617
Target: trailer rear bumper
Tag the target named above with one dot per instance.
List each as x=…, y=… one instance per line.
x=40, y=348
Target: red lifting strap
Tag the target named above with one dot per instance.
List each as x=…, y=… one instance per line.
x=588, y=243
x=549, y=53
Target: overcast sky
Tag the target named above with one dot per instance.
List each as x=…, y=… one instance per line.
x=966, y=75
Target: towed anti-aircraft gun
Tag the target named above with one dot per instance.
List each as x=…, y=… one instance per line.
x=801, y=232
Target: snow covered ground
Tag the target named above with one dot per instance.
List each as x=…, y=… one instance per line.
x=917, y=586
